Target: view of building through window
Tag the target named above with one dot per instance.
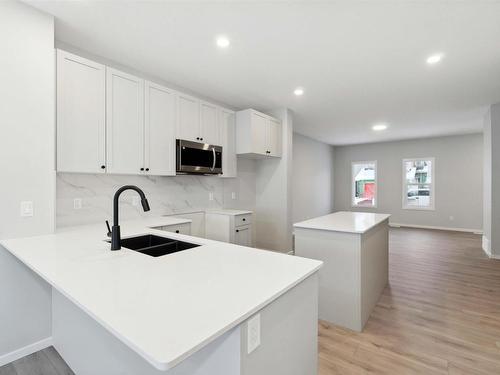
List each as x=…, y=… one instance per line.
x=418, y=183
x=364, y=184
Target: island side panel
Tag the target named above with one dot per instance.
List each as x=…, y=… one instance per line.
x=289, y=334
x=339, y=278
x=25, y=310
x=89, y=349
x=374, y=267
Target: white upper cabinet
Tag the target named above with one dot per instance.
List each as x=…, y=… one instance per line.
x=81, y=116
x=257, y=134
x=188, y=118
x=109, y=121
x=274, y=138
x=227, y=127
x=125, y=122
x=159, y=130
x=209, y=128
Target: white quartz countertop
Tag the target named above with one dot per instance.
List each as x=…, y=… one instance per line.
x=228, y=211
x=344, y=221
x=163, y=308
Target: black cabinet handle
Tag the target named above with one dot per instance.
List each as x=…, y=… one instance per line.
x=237, y=230
x=103, y=167
x=244, y=219
x=147, y=169
x=201, y=139
x=198, y=138
x=142, y=169
x=177, y=231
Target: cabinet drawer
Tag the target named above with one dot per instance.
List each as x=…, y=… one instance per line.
x=184, y=228
x=242, y=220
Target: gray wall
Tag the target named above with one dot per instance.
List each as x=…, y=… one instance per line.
x=312, y=178
x=458, y=176
x=491, y=207
x=27, y=95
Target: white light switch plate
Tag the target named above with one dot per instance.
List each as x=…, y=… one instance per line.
x=26, y=208
x=77, y=203
x=135, y=201
x=253, y=333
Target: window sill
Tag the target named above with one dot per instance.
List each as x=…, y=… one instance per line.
x=419, y=208
x=360, y=206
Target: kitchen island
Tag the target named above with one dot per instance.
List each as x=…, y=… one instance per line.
x=217, y=308
x=354, y=247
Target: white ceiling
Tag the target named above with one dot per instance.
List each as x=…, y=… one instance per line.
x=359, y=62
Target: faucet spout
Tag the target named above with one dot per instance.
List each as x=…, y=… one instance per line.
x=115, y=230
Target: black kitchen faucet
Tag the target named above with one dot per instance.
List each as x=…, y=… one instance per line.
x=115, y=230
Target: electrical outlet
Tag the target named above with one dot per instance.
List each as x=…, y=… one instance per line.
x=211, y=196
x=233, y=195
x=26, y=208
x=77, y=203
x=253, y=333
x=135, y=201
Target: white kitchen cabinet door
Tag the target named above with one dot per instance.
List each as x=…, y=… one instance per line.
x=260, y=134
x=243, y=236
x=125, y=122
x=159, y=130
x=209, y=127
x=188, y=118
x=227, y=129
x=274, y=138
x=81, y=116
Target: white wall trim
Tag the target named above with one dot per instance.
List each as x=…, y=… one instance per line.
x=486, y=246
x=487, y=249
x=397, y=225
x=27, y=350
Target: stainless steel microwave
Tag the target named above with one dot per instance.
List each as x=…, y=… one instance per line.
x=198, y=158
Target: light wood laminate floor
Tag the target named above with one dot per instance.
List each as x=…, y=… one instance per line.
x=44, y=362
x=440, y=313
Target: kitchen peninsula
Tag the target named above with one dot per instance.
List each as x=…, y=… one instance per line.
x=354, y=247
x=217, y=308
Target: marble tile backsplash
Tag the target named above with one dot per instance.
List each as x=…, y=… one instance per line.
x=166, y=195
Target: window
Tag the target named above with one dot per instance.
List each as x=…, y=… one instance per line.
x=418, y=183
x=364, y=184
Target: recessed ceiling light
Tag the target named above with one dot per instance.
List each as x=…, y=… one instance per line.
x=379, y=127
x=434, y=59
x=298, y=91
x=222, y=41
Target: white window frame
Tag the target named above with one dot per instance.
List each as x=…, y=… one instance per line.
x=353, y=185
x=431, y=207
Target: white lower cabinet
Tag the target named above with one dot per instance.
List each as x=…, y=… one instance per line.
x=184, y=228
x=232, y=226
x=243, y=235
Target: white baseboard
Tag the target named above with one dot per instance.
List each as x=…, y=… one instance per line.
x=486, y=246
x=397, y=225
x=487, y=249
x=27, y=350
